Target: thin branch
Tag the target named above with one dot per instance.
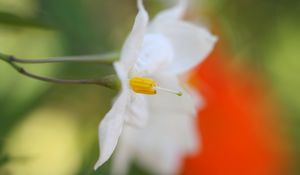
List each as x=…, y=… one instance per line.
x=108, y=81
x=100, y=58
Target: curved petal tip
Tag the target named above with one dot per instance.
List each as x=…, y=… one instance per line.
x=98, y=164
x=141, y=8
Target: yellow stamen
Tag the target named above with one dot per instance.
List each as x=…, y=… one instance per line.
x=143, y=85
x=148, y=86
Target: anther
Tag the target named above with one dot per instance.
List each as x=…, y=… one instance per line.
x=143, y=85
x=148, y=86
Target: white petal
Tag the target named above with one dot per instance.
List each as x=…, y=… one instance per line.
x=137, y=113
x=125, y=151
x=169, y=135
x=171, y=131
x=163, y=144
x=173, y=13
x=194, y=94
x=167, y=138
x=164, y=160
x=110, y=129
x=191, y=43
x=156, y=56
x=176, y=115
x=133, y=43
x=185, y=104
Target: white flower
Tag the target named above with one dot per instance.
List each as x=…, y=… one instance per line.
x=153, y=56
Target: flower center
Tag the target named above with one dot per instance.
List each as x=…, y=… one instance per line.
x=148, y=86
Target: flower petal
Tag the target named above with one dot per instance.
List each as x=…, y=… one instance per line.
x=168, y=138
x=171, y=130
x=156, y=56
x=137, y=113
x=191, y=43
x=161, y=160
x=185, y=104
x=125, y=151
x=110, y=128
x=133, y=43
x=162, y=145
x=180, y=110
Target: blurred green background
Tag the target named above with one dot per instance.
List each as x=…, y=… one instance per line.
x=52, y=129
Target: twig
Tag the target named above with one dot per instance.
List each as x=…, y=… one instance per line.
x=100, y=58
x=110, y=81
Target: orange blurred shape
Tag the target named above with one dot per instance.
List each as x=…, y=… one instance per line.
x=239, y=124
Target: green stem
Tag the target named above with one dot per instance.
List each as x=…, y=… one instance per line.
x=100, y=58
x=110, y=81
